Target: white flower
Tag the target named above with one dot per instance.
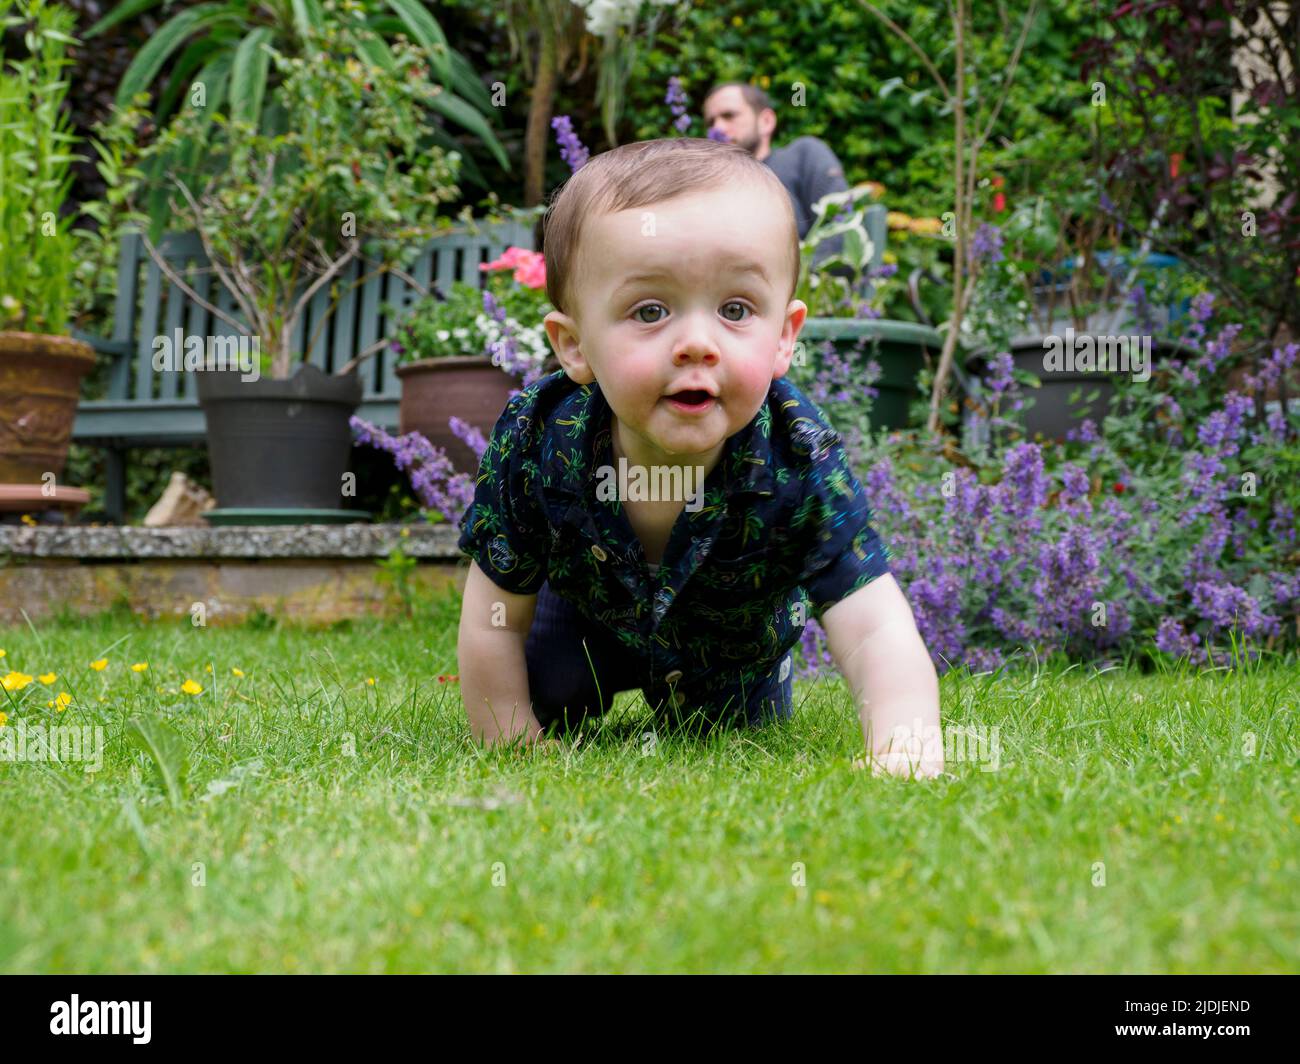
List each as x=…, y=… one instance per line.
x=443, y=335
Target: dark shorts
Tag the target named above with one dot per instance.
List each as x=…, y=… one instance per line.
x=576, y=667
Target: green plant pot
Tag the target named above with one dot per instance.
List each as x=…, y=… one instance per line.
x=901, y=348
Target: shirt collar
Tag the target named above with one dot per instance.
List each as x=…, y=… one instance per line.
x=745, y=464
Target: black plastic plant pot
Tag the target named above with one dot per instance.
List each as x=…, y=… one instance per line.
x=281, y=444
x=1052, y=414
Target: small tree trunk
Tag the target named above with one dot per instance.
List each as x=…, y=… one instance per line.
x=959, y=210
x=539, y=114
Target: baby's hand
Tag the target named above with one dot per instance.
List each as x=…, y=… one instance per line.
x=908, y=762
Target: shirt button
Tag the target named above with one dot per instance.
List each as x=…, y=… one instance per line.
x=599, y=552
x=673, y=676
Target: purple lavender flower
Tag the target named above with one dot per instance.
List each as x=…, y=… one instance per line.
x=677, y=100
x=572, y=150
x=718, y=135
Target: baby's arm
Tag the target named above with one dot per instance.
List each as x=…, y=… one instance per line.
x=493, y=669
x=873, y=639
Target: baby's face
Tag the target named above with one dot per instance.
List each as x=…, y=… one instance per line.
x=685, y=294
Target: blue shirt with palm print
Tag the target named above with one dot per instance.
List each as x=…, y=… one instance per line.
x=783, y=533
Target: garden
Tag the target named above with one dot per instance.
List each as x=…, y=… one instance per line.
x=269, y=275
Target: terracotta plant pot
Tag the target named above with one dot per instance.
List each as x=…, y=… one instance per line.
x=469, y=387
x=40, y=380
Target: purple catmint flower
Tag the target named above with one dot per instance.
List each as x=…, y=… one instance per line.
x=986, y=244
x=429, y=470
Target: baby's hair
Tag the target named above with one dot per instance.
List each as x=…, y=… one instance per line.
x=637, y=175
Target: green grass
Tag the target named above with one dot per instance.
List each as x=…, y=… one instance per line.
x=421, y=853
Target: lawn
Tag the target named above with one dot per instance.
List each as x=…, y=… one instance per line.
x=1128, y=822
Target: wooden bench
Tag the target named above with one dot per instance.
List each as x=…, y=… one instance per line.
x=144, y=408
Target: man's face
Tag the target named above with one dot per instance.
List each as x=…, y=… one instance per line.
x=727, y=110
x=689, y=293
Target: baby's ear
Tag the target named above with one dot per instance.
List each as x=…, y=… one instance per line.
x=795, y=313
x=562, y=332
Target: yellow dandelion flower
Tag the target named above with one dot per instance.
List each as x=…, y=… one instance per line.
x=139, y=666
x=100, y=665
x=2, y=653
x=15, y=681
x=370, y=680
x=29, y=520
x=48, y=678
x=3, y=717
x=237, y=672
x=62, y=702
x=191, y=688
x=207, y=668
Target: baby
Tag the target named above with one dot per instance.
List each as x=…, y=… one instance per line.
x=666, y=511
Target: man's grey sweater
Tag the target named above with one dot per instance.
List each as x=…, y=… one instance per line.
x=809, y=170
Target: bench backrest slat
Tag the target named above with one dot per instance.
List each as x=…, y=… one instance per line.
x=197, y=320
x=149, y=305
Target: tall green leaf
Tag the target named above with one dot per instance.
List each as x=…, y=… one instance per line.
x=165, y=749
x=144, y=68
x=425, y=29
x=119, y=14
x=248, y=76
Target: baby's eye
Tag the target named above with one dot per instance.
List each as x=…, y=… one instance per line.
x=733, y=303
x=649, y=306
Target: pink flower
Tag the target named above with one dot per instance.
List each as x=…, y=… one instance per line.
x=532, y=274
x=529, y=266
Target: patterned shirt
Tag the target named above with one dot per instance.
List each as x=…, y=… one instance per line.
x=782, y=531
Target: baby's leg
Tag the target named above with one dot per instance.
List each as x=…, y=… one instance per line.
x=574, y=668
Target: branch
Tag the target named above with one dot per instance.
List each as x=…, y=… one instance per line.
x=1011, y=74
x=175, y=279
x=372, y=349
x=337, y=265
x=903, y=36
x=270, y=170
x=239, y=295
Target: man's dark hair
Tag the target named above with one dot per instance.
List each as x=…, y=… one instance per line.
x=754, y=96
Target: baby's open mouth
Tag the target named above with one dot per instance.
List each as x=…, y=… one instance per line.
x=691, y=399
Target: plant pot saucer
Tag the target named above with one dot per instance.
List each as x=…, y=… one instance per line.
x=28, y=498
x=256, y=515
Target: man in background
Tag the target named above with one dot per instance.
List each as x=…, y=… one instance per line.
x=806, y=166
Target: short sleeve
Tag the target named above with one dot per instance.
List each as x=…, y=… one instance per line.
x=841, y=550
x=504, y=529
